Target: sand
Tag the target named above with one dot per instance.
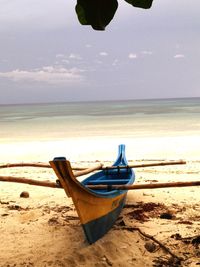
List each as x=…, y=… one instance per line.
x=44, y=230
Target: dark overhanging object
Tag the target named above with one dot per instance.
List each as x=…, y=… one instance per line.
x=99, y=13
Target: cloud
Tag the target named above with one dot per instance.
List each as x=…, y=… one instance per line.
x=48, y=74
x=146, y=52
x=66, y=58
x=179, y=56
x=75, y=56
x=65, y=61
x=103, y=54
x=60, y=56
x=132, y=56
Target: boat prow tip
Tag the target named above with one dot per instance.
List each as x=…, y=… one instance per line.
x=59, y=159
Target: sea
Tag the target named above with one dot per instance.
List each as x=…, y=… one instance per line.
x=129, y=121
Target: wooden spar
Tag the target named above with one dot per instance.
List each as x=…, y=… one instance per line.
x=110, y=187
x=39, y=165
x=23, y=180
x=143, y=186
x=11, y=165
x=89, y=170
x=164, y=163
x=45, y=165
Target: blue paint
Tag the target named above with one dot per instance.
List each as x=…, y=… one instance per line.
x=109, y=182
x=95, y=229
x=124, y=176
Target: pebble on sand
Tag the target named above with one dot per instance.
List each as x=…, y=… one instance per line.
x=24, y=194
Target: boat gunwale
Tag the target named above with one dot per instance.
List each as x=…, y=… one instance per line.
x=108, y=193
x=120, y=161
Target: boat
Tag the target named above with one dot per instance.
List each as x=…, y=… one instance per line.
x=98, y=209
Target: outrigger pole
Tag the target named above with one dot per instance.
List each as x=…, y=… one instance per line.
x=23, y=180
x=46, y=165
x=164, y=163
x=83, y=171
x=144, y=186
x=101, y=187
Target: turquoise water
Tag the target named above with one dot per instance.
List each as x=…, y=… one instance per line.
x=134, y=118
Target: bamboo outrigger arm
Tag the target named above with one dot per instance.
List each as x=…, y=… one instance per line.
x=144, y=186
x=99, y=187
x=32, y=164
x=164, y=163
x=97, y=167
x=24, y=180
x=76, y=168
x=25, y=164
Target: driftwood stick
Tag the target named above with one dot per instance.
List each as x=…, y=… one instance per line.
x=144, y=186
x=131, y=229
x=24, y=180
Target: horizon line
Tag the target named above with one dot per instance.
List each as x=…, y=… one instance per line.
x=93, y=101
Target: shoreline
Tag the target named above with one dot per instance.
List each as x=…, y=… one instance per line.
x=101, y=148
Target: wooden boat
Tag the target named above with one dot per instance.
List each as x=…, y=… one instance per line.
x=97, y=209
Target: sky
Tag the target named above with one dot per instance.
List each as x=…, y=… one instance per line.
x=47, y=56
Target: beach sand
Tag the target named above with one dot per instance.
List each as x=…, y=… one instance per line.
x=44, y=229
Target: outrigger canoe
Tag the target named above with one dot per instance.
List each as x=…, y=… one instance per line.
x=97, y=209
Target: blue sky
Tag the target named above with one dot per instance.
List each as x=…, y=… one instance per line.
x=47, y=56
